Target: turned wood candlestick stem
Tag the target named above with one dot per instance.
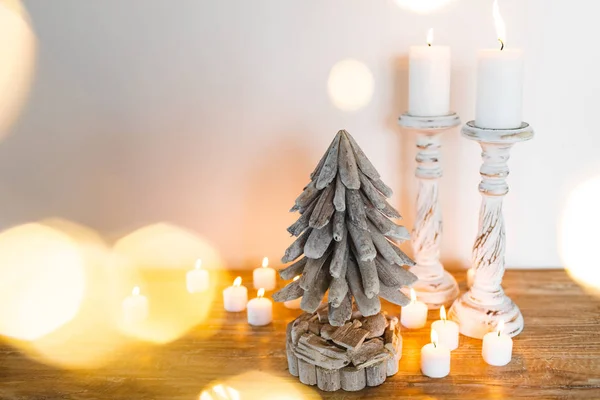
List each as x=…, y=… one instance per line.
x=435, y=286
x=480, y=309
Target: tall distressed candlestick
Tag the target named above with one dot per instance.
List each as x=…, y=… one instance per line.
x=435, y=286
x=480, y=309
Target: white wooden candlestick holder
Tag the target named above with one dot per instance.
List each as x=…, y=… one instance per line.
x=435, y=287
x=480, y=309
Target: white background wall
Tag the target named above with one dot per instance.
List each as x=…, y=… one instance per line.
x=211, y=114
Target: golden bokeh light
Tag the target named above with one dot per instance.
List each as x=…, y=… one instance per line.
x=157, y=258
x=578, y=235
x=350, y=85
x=255, y=385
x=17, y=53
x=42, y=281
x=422, y=6
x=90, y=339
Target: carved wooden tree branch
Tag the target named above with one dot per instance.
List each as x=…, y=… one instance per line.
x=343, y=232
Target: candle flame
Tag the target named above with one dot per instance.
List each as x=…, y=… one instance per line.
x=261, y=293
x=198, y=263
x=413, y=295
x=136, y=291
x=434, y=337
x=296, y=278
x=500, y=25
x=500, y=327
x=443, y=313
x=237, y=282
x=430, y=37
x=265, y=262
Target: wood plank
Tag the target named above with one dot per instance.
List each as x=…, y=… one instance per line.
x=556, y=356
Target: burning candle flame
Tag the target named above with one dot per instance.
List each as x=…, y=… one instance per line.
x=434, y=337
x=500, y=327
x=136, y=291
x=265, y=262
x=198, y=263
x=443, y=313
x=237, y=282
x=430, y=37
x=261, y=293
x=413, y=295
x=500, y=25
x=296, y=278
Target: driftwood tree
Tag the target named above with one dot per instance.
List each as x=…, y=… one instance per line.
x=347, y=237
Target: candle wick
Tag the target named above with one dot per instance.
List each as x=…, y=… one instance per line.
x=501, y=44
x=499, y=333
x=429, y=44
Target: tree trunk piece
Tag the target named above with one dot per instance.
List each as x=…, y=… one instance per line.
x=307, y=373
x=353, y=379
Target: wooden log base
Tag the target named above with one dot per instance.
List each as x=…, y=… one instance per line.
x=339, y=357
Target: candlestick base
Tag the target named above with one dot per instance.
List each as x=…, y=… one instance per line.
x=434, y=290
x=435, y=286
x=476, y=319
x=480, y=309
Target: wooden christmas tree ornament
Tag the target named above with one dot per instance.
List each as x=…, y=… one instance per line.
x=349, y=243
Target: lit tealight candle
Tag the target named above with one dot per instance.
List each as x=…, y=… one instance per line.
x=497, y=347
x=470, y=277
x=293, y=304
x=447, y=331
x=260, y=310
x=435, y=358
x=264, y=277
x=235, y=297
x=197, y=280
x=414, y=315
x=135, y=307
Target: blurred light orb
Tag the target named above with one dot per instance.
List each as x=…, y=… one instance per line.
x=350, y=85
x=251, y=386
x=17, y=56
x=422, y=6
x=578, y=236
x=157, y=258
x=42, y=281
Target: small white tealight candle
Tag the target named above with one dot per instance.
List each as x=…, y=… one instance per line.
x=260, y=310
x=235, y=297
x=497, y=347
x=293, y=304
x=135, y=307
x=197, y=280
x=435, y=358
x=447, y=331
x=414, y=315
x=470, y=277
x=264, y=277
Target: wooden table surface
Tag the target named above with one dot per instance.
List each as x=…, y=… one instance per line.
x=556, y=356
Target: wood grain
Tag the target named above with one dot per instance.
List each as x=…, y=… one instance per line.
x=557, y=356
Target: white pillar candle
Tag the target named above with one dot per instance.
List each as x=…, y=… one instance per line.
x=135, y=307
x=293, y=304
x=435, y=358
x=497, y=347
x=235, y=297
x=260, y=310
x=470, y=277
x=499, y=84
x=414, y=315
x=264, y=277
x=429, y=79
x=197, y=280
x=447, y=331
